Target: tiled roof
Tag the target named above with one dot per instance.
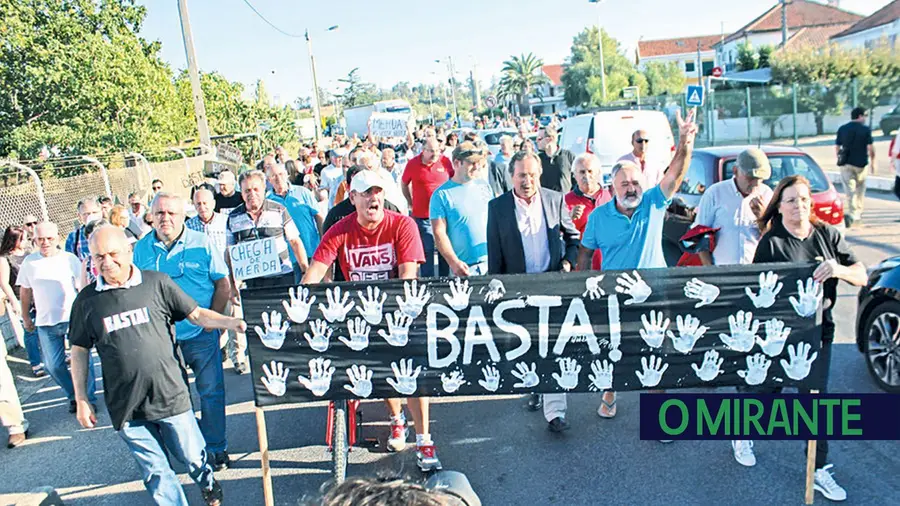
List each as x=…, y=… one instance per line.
x=800, y=13
x=648, y=48
x=883, y=16
x=815, y=36
x=554, y=72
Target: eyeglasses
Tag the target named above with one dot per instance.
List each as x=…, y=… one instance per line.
x=642, y=141
x=31, y=224
x=157, y=188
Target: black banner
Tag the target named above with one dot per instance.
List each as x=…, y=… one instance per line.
x=757, y=325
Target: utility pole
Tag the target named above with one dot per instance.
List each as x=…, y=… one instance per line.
x=600, y=44
x=699, y=66
x=431, y=102
x=453, y=90
x=312, y=65
x=194, y=72
x=784, y=27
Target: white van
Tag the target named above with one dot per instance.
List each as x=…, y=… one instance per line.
x=607, y=134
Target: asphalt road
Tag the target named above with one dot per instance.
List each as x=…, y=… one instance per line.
x=507, y=453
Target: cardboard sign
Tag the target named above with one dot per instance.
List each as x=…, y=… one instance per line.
x=229, y=153
x=385, y=124
x=549, y=333
x=211, y=168
x=255, y=259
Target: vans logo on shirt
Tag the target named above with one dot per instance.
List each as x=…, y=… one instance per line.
x=126, y=319
x=371, y=262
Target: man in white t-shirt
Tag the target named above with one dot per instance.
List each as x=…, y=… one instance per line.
x=50, y=279
x=333, y=174
x=733, y=206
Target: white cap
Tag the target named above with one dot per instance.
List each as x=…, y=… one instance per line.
x=365, y=179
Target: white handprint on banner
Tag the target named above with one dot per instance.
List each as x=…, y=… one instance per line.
x=651, y=372
x=452, y=382
x=360, y=381
x=298, y=309
x=273, y=335
x=654, y=331
x=415, y=300
x=635, y=286
x=527, y=376
x=711, y=367
x=808, y=299
x=458, y=298
x=592, y=287
x=757, y=368
x=495, y=291
x=321, y=336
x=567, y=378
x=601, y=376
x=359, y=334
x=275, y=379
x=398, y=329
x=370, y=307
x=491, y=381
x=689, y=332
x=338, y=307
x=798, y=368
x=743, y=332
x=705, y=293
x=405, y=382
x=776, y=336
x=768, y=290
x=319, y=381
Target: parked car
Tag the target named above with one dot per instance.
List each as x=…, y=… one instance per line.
x=878, y=324
x=890, y=122
x=491, y=137
x=607, y=134
x=711, y=165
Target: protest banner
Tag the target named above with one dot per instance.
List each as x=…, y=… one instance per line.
x=211, y=168
x=228, y=153
x=386, y=124
x=756, y=325
x=255, y=259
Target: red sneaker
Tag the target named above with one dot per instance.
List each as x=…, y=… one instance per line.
x=399, y=433
x=426, y=458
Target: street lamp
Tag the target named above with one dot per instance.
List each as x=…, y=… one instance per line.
x=452, y=88
x=312, y=66
x=600, y=39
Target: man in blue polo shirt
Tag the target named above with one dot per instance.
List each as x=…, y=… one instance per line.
x=197, y=266
x=302, y=206
x=628, y=229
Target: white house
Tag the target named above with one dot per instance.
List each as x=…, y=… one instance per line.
x=882, y=27
x=681, y=51
x=766, y=28
x=552, y=99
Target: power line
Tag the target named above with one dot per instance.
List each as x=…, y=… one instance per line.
x=270, y=23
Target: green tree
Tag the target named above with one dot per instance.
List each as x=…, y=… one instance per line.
x=356, y=92
x=522, y=77
x=664, y=78
x=747, y=59
x=581, y=72
x=764, y=56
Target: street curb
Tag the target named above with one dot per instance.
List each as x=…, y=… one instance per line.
x=877, y=183
x=42, y=496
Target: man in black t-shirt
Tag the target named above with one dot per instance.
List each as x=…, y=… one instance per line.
x=129, y=315
x=556, y=163
x=853, y=146
x=227, y=197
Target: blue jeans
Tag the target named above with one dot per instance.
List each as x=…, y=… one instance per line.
x=32, y=344
x=202, y=355
x=53, y=351
x=181, y=436
x=427, y=235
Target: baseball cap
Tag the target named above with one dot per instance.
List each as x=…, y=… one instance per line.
x=226, y=177
x=364, y=180
x=340, y=152
x=469, y=151
x=754, y=163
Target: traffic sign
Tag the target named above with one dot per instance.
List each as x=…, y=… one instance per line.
x=630, y=92
x=694, y=96
x=490, y=101
x=717, y=72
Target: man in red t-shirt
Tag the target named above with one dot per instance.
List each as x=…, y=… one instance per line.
x=586, y=195
x=373, y=243
x=423, y=175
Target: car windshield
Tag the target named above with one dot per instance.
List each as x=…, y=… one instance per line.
x=494, y=138
x=789, y=165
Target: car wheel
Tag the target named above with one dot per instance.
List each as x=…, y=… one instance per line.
x=881, y=345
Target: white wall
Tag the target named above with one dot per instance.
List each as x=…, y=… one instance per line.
x=859, y=39
x=735, y=129
x=729, y=52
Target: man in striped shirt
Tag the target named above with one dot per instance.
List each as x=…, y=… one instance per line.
x=208, y=221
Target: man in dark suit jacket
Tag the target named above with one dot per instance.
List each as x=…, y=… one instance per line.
x=530, y=231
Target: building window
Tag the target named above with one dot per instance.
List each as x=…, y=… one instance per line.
x=707, y=67
x=689, y=66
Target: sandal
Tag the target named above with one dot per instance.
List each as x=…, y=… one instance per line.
x=610, y=407
x=38, y=371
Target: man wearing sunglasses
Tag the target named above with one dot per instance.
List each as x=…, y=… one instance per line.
x=197, y=266
x=640, y=145
x=30, y=221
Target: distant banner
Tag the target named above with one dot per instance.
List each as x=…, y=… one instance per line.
x=229, y=153
x=211, y=168
x=388, y=125
x=757, y=325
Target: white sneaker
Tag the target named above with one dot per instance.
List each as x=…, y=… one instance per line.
x=743, y=452
x=825, y=483
x=397, y=440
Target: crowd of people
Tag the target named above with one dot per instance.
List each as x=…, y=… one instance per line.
x=404, y=208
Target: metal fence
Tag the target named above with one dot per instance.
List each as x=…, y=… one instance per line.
x=51, y=189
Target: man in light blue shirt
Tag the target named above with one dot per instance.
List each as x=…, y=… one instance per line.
x=458, y=211
x=301, y=205
x=198, y=268
x=628, y=229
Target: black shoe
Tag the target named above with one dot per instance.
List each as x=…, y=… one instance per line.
x=73, y=407
x=221, y=461
x=848, y=221
x=241, y=368
x=535, y=402
x=213, y=496
x=16, y=439
x=558, y=424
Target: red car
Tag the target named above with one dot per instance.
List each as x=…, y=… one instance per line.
x=711, y=165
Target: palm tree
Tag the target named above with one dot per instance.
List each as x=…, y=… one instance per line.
x=522, y=77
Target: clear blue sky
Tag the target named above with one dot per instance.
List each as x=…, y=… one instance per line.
x=398, y=40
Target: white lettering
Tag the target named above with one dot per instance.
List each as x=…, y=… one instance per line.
x=477, y=323
x=511, y=328
x=447, y=332
x=543, y=303
x=583, y=328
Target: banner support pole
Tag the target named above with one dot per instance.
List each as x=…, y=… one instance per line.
x=810, y=466
x=264, y=457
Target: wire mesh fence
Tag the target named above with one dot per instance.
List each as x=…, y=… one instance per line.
x=66, y=181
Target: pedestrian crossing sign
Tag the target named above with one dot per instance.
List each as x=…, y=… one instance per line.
x=693, y=96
